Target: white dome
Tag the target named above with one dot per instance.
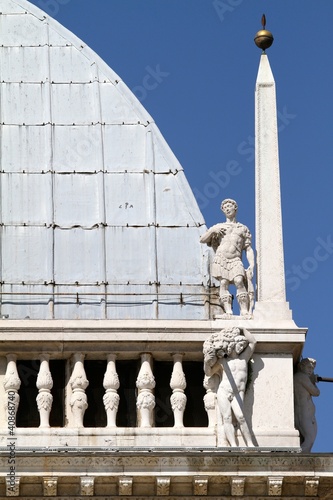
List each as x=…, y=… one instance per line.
x=98, y=220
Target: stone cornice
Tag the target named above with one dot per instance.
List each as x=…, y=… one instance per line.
x=145, y=331
x=219, y=474
x=128, y=326
x=61, y=338
x=190, y=462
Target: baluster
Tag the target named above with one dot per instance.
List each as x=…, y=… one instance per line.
x=44, y=385
x=78, y=383
x=111, y=384
x=211, y=385
x=178, y=384
x=11, y=383
x=145, y=383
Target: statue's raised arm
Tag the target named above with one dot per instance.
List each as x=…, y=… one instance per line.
x=213, y=236
x=247, y=353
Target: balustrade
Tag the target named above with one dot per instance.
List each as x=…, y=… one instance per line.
x=78, y=383
x=11, y=384
x=178, y=385
x=44, y=385
x=74, y=391
x=111, y=385
x=211, y=385
x=146, y=400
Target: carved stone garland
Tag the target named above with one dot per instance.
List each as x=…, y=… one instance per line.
x=44, y=385
x=178, y=385
x=78, y=383
x=145, y=383
x=111, y=385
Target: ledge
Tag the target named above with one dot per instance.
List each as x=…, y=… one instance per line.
x=62, y=338
x=157, y=326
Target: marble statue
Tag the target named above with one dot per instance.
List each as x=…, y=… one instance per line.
x=227, y=354
x=229, y=240
x=304, y=388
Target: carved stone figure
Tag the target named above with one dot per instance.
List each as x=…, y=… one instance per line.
x=227, y=354
x=304, y=388
x=229, y=239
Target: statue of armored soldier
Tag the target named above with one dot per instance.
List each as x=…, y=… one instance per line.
x=229, y=240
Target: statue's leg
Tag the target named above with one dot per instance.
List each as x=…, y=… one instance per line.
x=242, y=295
x=250, y=291
x=238, y=409
x=226, y=413
x=225, y=296
x=244, y=303
x=308, y=430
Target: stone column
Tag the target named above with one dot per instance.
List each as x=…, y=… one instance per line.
x=146, y=400
x=78, y=383
x=111, y=384
x=178, y=385
x=44, y=385
x=271, y=289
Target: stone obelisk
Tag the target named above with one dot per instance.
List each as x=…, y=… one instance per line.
x=271, y=289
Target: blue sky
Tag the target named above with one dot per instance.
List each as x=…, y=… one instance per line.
x=202, y=64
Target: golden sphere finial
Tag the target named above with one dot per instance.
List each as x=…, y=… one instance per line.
x=263, y=38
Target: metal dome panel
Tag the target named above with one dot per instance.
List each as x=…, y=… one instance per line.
x=97, y=218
